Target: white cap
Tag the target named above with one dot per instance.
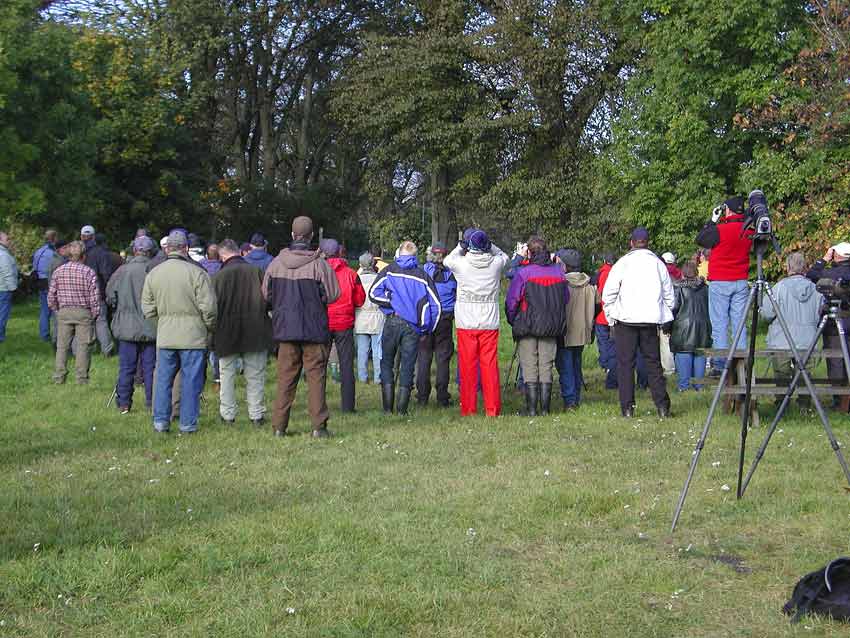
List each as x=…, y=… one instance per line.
x=87, y=230
x=842, y=249
x=669, y=258
x=163, y=241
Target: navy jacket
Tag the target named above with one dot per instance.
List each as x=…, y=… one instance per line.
x=259, y=258
x=404, y=289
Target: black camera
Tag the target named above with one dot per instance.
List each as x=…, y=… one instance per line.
x=834, y=289
x=758, y=216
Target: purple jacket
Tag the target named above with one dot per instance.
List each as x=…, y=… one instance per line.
x=536, y=304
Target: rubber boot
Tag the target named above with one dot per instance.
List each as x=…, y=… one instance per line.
x=387, y=397
x=402, y=400
x=532, y=394
x=545, y=398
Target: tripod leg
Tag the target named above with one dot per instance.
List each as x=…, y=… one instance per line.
x=808, y=379
x=786, y=401
x=748, y=392
x=844, y=352
x=739, y=330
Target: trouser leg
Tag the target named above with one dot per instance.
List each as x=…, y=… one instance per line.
x=254, y=365
x=104, y=336
x=289, y=365
x=363, y=342
x=344, y=341
x=651, y=349
x=408, y=345
x=83, y=340
x=64, y=335
x=192, y=366
x=467, y=362
x=389, y=346
x=425, y=354
x=488, y=356
x=527, y=349
x=547, y=347
x=444, y=349
x=167, y=364
x=227, y=404
x=626, y=343
x=315, y=357
x=44, y=312
x=128, y=358
x=377, y=353
x=148, y=360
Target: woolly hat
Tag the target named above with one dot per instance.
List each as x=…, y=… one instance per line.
x=478, y=240
x=330, y=247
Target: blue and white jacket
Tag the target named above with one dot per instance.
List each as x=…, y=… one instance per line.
x=446, y=284
x=404, y=289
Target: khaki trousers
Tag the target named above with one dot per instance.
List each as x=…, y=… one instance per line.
x=536, y=357
x=292, y=357
x=73, y=325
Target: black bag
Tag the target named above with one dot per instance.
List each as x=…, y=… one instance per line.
x=825, y=592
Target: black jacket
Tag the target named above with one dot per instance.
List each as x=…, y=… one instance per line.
x=100, y=260
x=691, y=329
x=243, y=324
x=821, y=270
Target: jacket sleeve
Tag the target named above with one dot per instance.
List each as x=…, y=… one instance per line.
x=767, y=310
x=52, y=298
x=327, y=278
x=515, y=292
x=709, y=236
x=206, y=300
x=677, y=300
x=148, y=300
x=816, y=271
x=667, y=295
x=514, y=265
x=94, y=296
x=112, y=288
x=500, y=255
x=453, y=259
x=433, y=310
x=612, y=290
x=358, y=292
x=379, y=294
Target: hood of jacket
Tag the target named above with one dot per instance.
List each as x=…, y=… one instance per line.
x=478, y=259
x=337, y=263
x=293, y=258
x=577, y=279
x=800, y=288
x=407, y=262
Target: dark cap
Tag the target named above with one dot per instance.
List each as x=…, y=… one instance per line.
x=609, y=258
x=570, y=257
x=258, y=240
x=735, y=204
x=640, y=234
x=59, y=243
x=468, y=233
x=439, y=247
x=302, y=226
x=479, y=240
x=329, y=246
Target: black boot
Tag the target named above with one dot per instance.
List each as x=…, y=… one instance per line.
x=532, y=394
x=387, y=396
x=545, y=398
x=402, y=400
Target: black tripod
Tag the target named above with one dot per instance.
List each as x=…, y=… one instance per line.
x=759, y=289
x=835, y=314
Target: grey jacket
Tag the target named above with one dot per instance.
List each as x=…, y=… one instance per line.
x=124, y=296
x=800, y=303
x=8, y=271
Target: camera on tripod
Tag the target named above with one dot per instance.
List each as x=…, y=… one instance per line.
x=835, y=290
x=758, y=216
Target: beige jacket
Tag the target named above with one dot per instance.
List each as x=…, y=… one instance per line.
x=580, y=310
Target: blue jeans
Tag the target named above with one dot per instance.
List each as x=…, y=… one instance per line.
x=398, y=336
x=568, y=362
x=689, y=365
x=727, y=301
x=131, y=354
x=364, y=342
x=5, y=311
x=608, y=359
x=44, y=316
x=192, y=364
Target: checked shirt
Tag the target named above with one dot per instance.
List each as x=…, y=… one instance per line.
x=74, y=285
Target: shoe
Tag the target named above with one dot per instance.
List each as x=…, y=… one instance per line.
x=124, y=410
x=258, y=423
x=228, y=421
x=445, y=403
x=629, y=412
x=322, y=433
x=387, y=397
x=664, y=412
x=545, y=398
x=570, y=406
x=402, y=400
x=423, y=403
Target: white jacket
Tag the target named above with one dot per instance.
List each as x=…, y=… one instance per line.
x=639, y=290
x=368, y=318
x=8, y=271
x=479, y=277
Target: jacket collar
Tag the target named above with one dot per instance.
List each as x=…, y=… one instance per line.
x=236, y=259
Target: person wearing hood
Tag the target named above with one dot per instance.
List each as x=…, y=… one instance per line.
x=368, y=324
x=341, y=314
x=411, y=303
x=98, y=259
x=728, y=271
x=669, y=260
x=136, y=335
x=580, y=317
x=835, y=265
x=690, y=331
x=440, y=342
x=258, y=255
x=800, y=304
x=638, y=299
x=477, y=265
x=298, y=287
x=536, y=308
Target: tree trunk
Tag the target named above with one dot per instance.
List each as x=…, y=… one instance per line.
x=443, y=218
x=304, y=134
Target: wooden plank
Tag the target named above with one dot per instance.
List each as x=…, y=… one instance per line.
x=774, y=390
x=772, y=353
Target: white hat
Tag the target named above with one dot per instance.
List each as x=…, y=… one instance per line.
x=163, y=241
x=87, y=230
x=842, y=249
x=669, y=258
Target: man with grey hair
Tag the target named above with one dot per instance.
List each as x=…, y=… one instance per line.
x=8, y=281
x=180, y=296
x=408, y=298
x=800, y=304
x=136, y=335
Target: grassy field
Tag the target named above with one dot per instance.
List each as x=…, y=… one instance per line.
x=428, y=525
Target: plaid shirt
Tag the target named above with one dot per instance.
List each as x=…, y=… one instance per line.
x=74, y=285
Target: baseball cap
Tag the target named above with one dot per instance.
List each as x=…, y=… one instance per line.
x=302, y=226
x=640, y=234
x=669, y=258
x=842, y=249
x=439, y=247
x=258, y=240
x=177, y=239
x=143, y=243
x=479, y=240
x=736, y=204
x=87, y=230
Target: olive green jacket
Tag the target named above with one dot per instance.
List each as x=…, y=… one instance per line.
x=179, y=295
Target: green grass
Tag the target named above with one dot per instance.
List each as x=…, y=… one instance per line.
x=429, y=525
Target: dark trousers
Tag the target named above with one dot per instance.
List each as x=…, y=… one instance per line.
x=344, y=341
x=441, y=344
x=398, y=337
x=835, y=369
x=607, y=355
x=570, y=377
x=292, y=358
x=629, y=339
x=130, y=355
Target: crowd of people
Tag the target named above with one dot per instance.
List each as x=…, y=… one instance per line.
x=179, y=308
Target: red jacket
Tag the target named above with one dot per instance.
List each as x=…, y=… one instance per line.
x=351, y=296
x=675, y=273
x=730, y=256
x=600, y=286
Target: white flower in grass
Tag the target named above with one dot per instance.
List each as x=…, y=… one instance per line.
x=471, y=532
x=290, y=610
x=725, y=487
x=715, y=464
x=547, y=473
x=36, y=547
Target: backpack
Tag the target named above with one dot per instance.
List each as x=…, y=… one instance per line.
x=825, y=592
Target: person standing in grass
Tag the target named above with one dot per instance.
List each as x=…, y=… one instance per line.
x=690, y=332
x=638, y=299
x=180, y=296
x=99, y=260
x=40, y=264
x=8, y=281
x=536, y=308
x=408, y=298
x=477, y=265
x=439, y=344
x=243, y=332
x=580, y=317
x=368, y=324
x=74, y=296
x=136, y=335
x=298, y=286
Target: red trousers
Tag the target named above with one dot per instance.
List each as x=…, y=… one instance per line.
x=479, y=350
